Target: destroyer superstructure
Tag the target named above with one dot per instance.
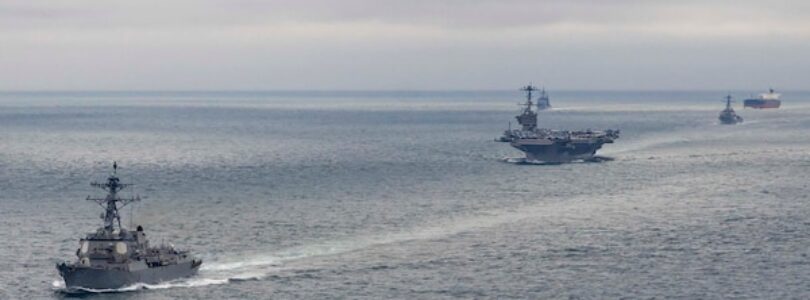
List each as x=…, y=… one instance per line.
x=113, y=257
x=553, y=146
x=728, y=116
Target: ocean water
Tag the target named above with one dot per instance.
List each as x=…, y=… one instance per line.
x=405, y=194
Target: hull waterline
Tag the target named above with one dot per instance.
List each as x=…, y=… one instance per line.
x=106, y=279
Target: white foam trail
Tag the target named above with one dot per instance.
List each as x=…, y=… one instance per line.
x=646, y=143
x=513, y=160
x=58, y=284
x=184, y=283
x=443, y=229
x=235, y=265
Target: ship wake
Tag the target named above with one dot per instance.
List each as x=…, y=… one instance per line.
x=258, y=266
x=220, y=270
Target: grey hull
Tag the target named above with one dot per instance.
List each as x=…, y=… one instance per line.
x=730, y=119
x=559, y=152
x=105, y=279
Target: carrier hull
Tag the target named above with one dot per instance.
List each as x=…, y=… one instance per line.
x=558, y=151
x=78, y=277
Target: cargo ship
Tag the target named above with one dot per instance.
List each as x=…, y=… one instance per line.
x=765, y=100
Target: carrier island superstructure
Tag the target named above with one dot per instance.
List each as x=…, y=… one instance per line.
x=550, y=145
x=113, y=257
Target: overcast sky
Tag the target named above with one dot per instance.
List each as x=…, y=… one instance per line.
x=414, y=44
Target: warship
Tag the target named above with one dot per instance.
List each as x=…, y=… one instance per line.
x=765, y=100
x=728, y=116
x=543, y=102
x=113, y=257
x=550, y=145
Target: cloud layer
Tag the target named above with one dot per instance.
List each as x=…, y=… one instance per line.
x=364, y=44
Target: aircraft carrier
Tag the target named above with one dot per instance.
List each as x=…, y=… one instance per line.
x=553, y=146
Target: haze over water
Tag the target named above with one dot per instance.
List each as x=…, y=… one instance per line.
x=405, y=194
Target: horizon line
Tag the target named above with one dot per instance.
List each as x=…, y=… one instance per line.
x=11, y=91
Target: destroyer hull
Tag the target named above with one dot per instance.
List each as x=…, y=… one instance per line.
x=730, y=120
x=557, y=152
x=760, y=104
x=107, y=279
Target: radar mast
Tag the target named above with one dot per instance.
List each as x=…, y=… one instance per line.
x=728, y=102
x=528, y=89
x=112, y=203
x=528, y=118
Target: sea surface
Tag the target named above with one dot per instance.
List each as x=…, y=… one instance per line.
x=405, y=195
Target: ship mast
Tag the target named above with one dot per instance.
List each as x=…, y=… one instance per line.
x=110, y=203
x=728, y=102
x=528, y=119
x=528, y=89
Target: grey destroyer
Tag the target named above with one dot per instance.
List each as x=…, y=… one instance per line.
x=728, y=116
x=543, y=102
x=113, y=257
x=553, y=146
